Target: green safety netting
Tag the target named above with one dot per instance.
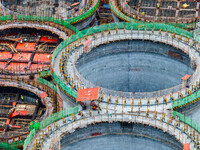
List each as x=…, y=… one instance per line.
x=39, y=18
x=185, y=100
x=29, y=138
x=18, y=143
x=47, y=83
x=121, y=15
x=49, y=120
x=6, y=18
x=45, y=73
x=122, y=25
x=187, y=120
x=57, y=116
x=34, y=125
x=7, y=146
x=112, y=26
x=67, y=23
x=83, y=16
x=197, y=36
x=68, y=90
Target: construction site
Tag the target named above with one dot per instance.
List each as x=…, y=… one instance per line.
x=99, y=74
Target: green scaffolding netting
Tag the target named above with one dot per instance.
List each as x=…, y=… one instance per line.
x=66, y=23
x=47, y=83
x=49, y=120
x=68, y=90
x=186, y=100
x=187, y=120
x=46, y=19
x=59, y=115
x=45, y=73
x=6, y=18
x=7, y=146
x=40, y=19
x=29, y=138
x=83, y=16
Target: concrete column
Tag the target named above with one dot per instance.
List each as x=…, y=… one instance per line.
x=177, y=10
x=139, y=5
x=197, y=10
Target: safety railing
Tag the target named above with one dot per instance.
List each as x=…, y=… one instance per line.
x=65, y=88
x=59, y=115
x=186, y=100
x=45, y=73
x=85, y=15
x=47, y=83
x=39, y=19
x=114, y=26
x=49, y=120
x=135, y=95
x=81, y=16
x=187, y=121
x=122, y=25
x=29, y=138
x=124, y=17
x=158, y=121
x=7, y=146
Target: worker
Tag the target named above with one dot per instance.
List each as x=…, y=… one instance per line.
x=21, y=41
x=22, y=97
x=94, y=107
x=158, y=5
x=92, y=103
x=36, y=101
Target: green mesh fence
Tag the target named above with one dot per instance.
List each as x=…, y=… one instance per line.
x=49, y=120
x=46, y=19
x=7, y=146
x=67, y=90
x=67, y=23
x=47, y=83
x=187, y=120
x=45, y=73
x=18, y=143
x=83, y=16
x=29, y=138
x=6, y=18
x=121, y=15
x=41, y=19
x=59, y=115
x=121, y=25
x=185, y=100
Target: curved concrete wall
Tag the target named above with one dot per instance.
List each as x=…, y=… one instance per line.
x=134, y=66
x=120, y=136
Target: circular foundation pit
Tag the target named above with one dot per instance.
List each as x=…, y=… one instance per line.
x=135, y=66
x=119, y=136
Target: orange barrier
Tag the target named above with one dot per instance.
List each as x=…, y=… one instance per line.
x=48, y=40
x=25, y=46
x=22, y=57
x=43, y=95
x=42, y=57
x=186, y=146
x=5, y=55
x=88, y=94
